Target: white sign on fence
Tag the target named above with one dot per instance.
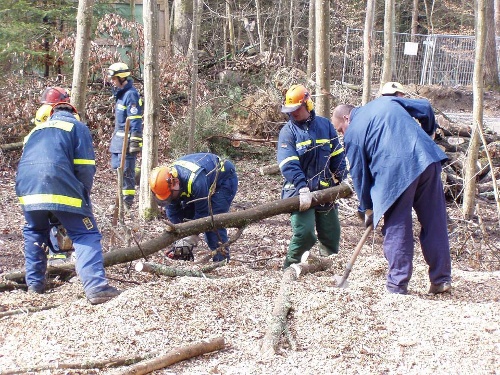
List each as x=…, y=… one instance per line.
x=411, y=48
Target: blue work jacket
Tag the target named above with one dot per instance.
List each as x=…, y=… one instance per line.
x=309, y=154
x=128, y=105
x=387, y=149
x=197, y=173
x=57, y=167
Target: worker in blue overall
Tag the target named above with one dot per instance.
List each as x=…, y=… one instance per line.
x=55, y=177
x=196, y=186
x=310, y=158
x=128, y=106
x=396, y=166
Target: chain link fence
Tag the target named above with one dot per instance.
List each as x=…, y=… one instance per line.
x=446, y=60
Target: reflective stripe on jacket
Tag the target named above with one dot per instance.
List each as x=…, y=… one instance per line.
x=57, y=167
x=128, y=105
x=310, y=154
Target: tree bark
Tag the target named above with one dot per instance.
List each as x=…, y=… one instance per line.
x=367, y=51
x=477, y=112
x=238, y=219
x=147, y=205
x=278, y=321
x=322, y=58
x=176, y=355
x=160, y=269
x=388, y=42
x=82, y=48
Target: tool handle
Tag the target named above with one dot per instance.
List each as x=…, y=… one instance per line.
x=360, y=244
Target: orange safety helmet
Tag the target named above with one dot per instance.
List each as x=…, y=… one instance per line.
x=297, y=96
x=160, y=181
x=53, y=95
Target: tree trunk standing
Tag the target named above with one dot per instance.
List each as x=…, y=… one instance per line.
x=260, y=28
x=322, y=58
x=477, y=111
x=230, y=27
x=367, y=51
x=82, y=47
x=168, y=41
x=414, y=21
x=293, y=32
x=497, y=16
x=388, y=42
x=147, y=205
x=182, y=26
x=490, y=54
x=311, y=61
x=194, y=73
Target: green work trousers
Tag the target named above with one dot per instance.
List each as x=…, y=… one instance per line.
x=305, y=225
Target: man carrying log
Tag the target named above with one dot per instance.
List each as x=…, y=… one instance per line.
x=395, y=166
x=193, y=187
x=310, y=158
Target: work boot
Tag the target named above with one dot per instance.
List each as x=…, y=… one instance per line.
x=36, y=289
x=440, y=288
x=103, y=295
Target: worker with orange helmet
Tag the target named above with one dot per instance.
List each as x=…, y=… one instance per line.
x=128, y=106
x=196, y=186
x=310, y=158
x=55, y=177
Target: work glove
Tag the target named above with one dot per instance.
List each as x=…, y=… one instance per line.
x=367, y=217
x=135, y=144
x=305, y=199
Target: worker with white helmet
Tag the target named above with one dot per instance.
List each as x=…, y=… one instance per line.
x=128, y=106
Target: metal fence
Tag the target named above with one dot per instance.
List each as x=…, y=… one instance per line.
x=446, y=60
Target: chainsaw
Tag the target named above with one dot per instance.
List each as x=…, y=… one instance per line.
x=182, y=250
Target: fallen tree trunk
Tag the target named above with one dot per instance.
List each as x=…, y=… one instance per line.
x=160, y=269
x=269, y=169
x=278, y=321
x=84, y=365
x=237, y=219
x=175, y=355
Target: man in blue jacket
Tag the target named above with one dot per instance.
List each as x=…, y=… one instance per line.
x=310, y=158
x=128, y=106
x=55, y=177
x=196, y=186
x=395, y=166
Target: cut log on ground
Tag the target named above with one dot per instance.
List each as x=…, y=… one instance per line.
x=26, y=310
x=236, y=219
x=278, y=324
x=160, y=269
x=269, y=169
x=83, y=365
x=175, y=355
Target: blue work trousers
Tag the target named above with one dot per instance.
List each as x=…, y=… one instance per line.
x=86, y=239
x=426, y=196
x=128, y=189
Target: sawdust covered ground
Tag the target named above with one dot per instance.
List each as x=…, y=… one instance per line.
x=361, y=329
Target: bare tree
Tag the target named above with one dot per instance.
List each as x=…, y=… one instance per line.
x=477, y=91
x=414, y=20
x=367, y=51
x=82, y=47
x=197, y=4
x=311, y=61
x=388, y=42
x=322, y=58
x=182, y=26
x=147, y=205
x=260, y=27
x=490, y=56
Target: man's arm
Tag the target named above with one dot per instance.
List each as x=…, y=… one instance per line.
x=288, y=160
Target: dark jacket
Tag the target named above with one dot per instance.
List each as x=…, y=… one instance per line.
x=57, y=167
x=197, y=173
x=387, y=149
x=309, y=154
x=128, y=104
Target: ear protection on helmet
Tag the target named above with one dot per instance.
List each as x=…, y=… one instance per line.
x=308, y=102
